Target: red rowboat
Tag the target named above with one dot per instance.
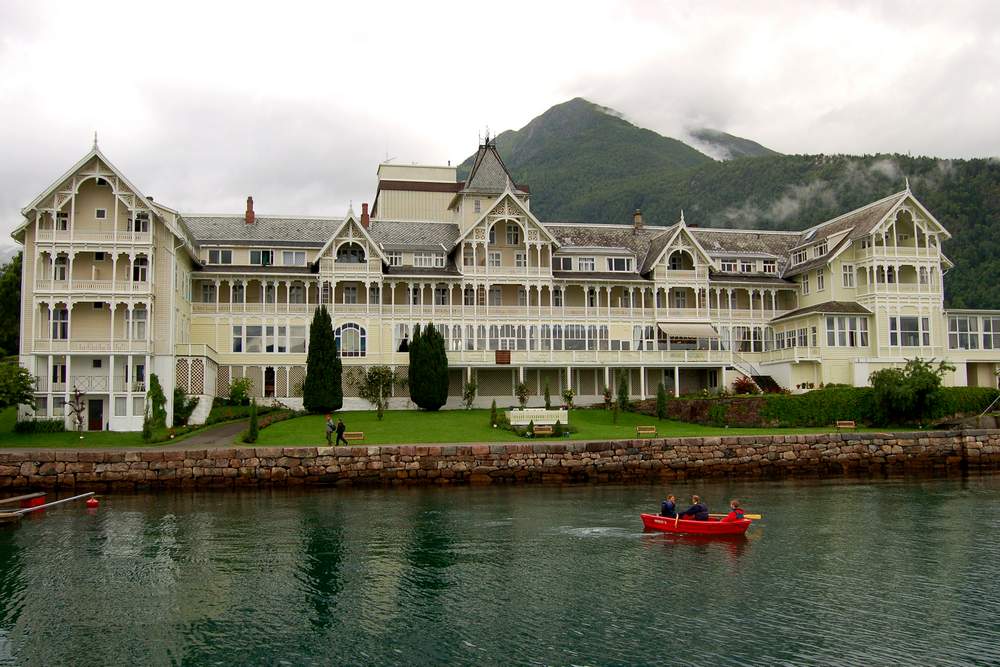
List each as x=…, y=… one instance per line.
x=710, y=527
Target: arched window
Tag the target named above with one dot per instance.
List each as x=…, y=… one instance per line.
x=140, y=269
x=60, y=268
x=351, y=253
x=239, y=293
x=351, y=340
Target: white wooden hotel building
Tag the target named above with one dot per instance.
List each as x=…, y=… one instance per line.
x=117, y=286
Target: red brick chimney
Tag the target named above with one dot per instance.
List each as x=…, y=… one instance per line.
x=364, y=215
x=250, y=216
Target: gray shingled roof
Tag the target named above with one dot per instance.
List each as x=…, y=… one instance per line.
x=233, y=229
x=396, y=235
x=488, y=173
x=638, y=242
x=827, y=307
x=861, y=221
x=723, y=243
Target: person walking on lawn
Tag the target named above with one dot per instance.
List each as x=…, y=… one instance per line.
x=340, y=432
x=329, y=429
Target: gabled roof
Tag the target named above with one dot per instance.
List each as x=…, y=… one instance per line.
x=860, y=221
x=509, y=196
x=635, y=241
x=825, y=308
x=680, y=228
x=489, y=175
x=399, y=235
x=349, y=220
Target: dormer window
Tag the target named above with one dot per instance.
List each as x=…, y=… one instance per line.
x=395, y=258
x=770, y=266
x=619, y=263
x=220, y=256
x=746, y=266
x=585, y=263
x=820, y=249
x=262, y=257
x=562, y=263
x=729, y=266
x=799, y=256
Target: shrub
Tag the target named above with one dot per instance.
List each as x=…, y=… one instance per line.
x=622, y=391
x=531, y=428
x=608, y=397
x=40, y=426
x=183, y=406
x=322, y=391
x=908, y=394
x=717, y=414
x=239, y=391
x=568, y=395
x=821, y=407
x=548, y=397
x=614, y=413
x=661, y=402
x=557, y=429
x=745, y=385
x=252, y=428
x=377, y=388
x=222, y=412
x=522, y=392
x=493, y=413
x=428, y=372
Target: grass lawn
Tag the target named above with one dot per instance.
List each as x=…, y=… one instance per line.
x=90, y=438
x=448, y=426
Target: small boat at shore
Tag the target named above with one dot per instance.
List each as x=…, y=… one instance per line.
x=712, y=527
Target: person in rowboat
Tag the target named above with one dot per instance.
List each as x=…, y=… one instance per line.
x=697, y=512
x=668, y=507
x=735, y=512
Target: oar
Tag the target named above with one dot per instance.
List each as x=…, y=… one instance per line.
x=755, y=517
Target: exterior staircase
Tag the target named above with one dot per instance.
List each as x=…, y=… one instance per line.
x=200, y=414
x=767, y=384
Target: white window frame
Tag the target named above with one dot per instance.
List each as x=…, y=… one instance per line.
x=100, y=214
x=521, y=260
x=848, y=275
x=220, y=256
x=586, y=263
x=746, y=266
x=562, y=263
x=728, y=265
x=294, y=256
x=770, y=266
x=820, y=280
x=800, y=256
x=394, y=258
x=513, y=234
x=494, y=258
x=259, y=255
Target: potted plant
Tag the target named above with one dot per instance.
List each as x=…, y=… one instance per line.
x=522, y=392
x=568, y=395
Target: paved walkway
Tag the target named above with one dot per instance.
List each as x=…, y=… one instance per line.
x=217, y=436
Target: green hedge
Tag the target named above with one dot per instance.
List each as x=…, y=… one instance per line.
x=40, y=426
x=823, y=407
x=223, y=413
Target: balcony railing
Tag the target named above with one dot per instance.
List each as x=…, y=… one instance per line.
x=116, y=286
x=88, y=383
x=804, y=353
x=78, y=345
x=889, y=252
x=82, y=236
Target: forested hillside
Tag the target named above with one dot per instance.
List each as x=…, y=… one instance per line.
x=603, y=179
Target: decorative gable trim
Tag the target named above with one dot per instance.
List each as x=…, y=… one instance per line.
x=507, y=207
x=352, y=226
x=671, y=245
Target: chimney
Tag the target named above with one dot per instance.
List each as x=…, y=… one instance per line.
x=364, y=215
x=250, y=216
x=637, y=220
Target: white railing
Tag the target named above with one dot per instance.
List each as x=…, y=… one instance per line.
x=890, y=252
x=118, y=286
x=791, y=354
x=82, y=236
x=78, y=345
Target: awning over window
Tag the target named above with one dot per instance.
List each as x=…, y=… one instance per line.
x=688, y=330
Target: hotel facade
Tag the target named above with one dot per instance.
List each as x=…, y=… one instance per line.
x=117, y=286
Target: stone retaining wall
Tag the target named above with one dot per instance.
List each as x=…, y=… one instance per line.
x=617, y=461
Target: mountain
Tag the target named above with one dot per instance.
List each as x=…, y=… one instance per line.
x=585, y=163
x=724, y=146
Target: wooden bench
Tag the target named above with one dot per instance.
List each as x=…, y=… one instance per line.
x=641, y=431
x=543, y=430
x=846, y=423
x=354, y=435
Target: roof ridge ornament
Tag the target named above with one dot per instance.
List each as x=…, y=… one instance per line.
x=907, y=183
x=682, y=216
x=95, y=140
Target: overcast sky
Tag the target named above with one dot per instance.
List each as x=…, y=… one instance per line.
x=202, y=103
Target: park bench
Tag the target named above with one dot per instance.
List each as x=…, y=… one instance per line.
x=642, y=431
x=846, y=423
x=543, y=430
x=354, y=435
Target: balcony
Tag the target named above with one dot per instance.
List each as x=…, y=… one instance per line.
x=88, y=383
x=807, y=353
x=104, y=238
x=102, y=286
x=892, y=252
x=95, y=346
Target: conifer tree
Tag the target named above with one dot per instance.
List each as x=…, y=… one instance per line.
x=252, y=431
x=661, y=402
x=428, y=369
x=322, y=391
x=623, y=390
x=415, y=382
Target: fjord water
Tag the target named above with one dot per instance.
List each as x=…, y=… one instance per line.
x=837, y=572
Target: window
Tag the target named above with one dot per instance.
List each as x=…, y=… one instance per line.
x=60, y=267
x=562, y=263
x=820, y=249
x=220, y=256
x=415, y=295
x=469, y=297
x=374, y=294
x=592, y=297
x=477, y=206
x=296, y=294
x=906, y=331
x=963, y=333
x=253, y=342
x=239, y=292
x=522, y=297
x=586, y=263
x=140, y=270
x=297, y=339
x=293, y=257
x=619, y=263
x=557, y=297
x=350, y=294
x=207, y=293
x=729, y=265
x=349, y=253
x=493, y=235
x=262, y=257
x=494, y=258
x=395, y=258
x=805, y=283
x=468, y=256
x=237, y=338
x=140, y=223
x=513, y=234
x=98, y=256
x=746, y=266
x=770, y=266
x=520, y=260
x=991, y=333
x=269, y=338
x=101, y=214
x=820, y=280
x=62, y=221
x=680, y=298
x=441, y=296
x=351, y=340
x=848, y=275
x=803, y=337
x=799, y=256
x=924, y=276
x=139, y=324
x=60, y=323
x=58, y=373
x=428, y=259
x=269, y=293
x=281, y=342
x=496, y=297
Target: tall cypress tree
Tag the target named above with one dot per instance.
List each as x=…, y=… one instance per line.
x=322, y=391
x=436, y=359
x=416, y=368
